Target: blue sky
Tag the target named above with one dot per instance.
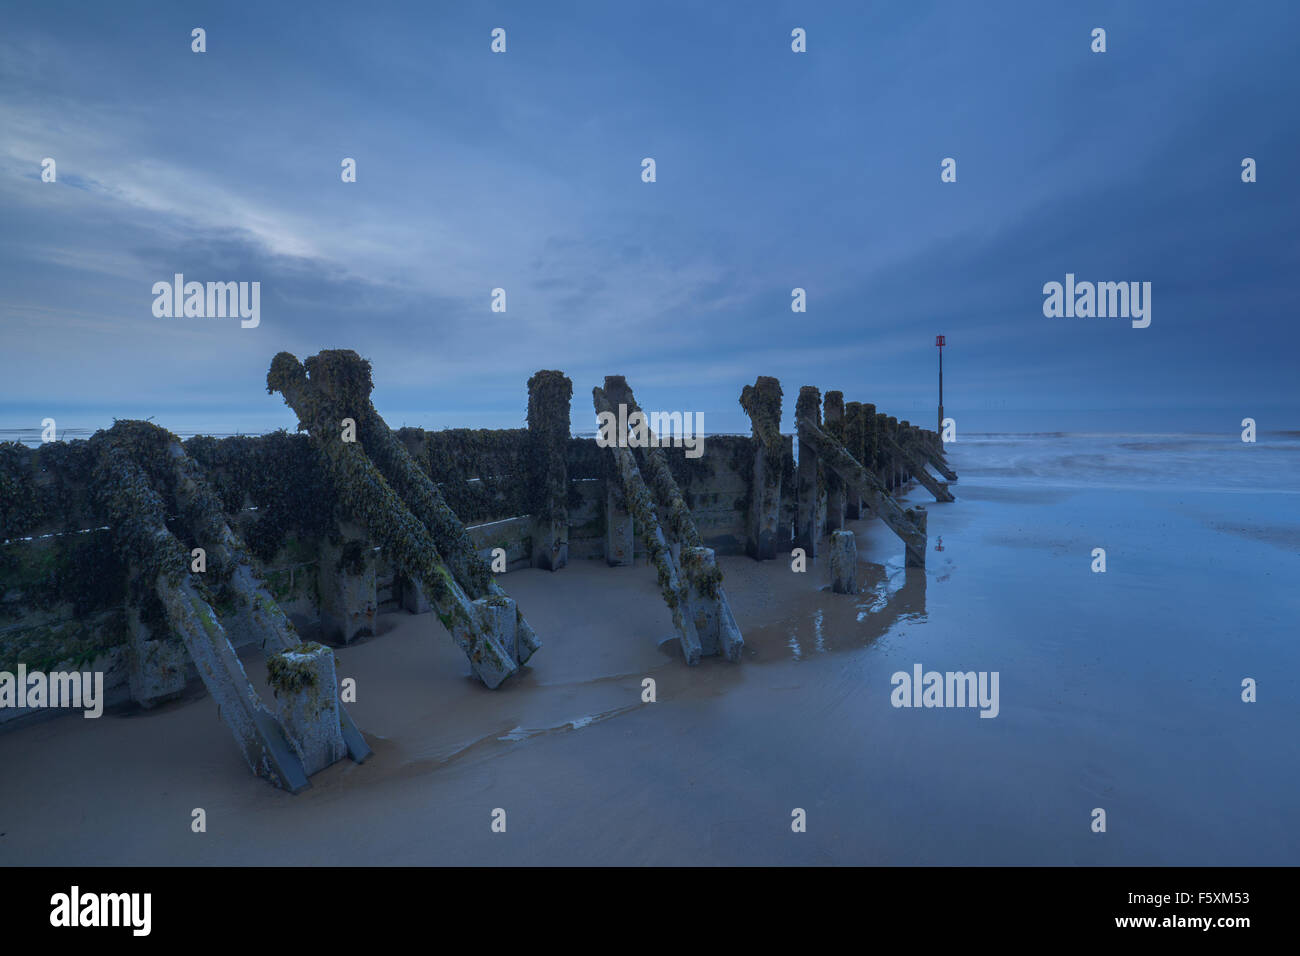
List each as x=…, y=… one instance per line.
x=775, y=170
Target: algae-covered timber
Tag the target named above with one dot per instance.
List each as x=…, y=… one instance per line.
x=762, y=403
x=368, y=495
x=138, y=516
x=834, y=456
x=342, y=385
x=702, y=573
x=905, y=451
x=640, y=504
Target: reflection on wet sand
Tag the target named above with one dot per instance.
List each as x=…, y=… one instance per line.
x=823, y=622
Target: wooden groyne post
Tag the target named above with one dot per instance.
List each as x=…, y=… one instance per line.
x=549, y=393
x=809, y=485
x=895, y=466
x=833, y=411
x=855, y=441
x=762, y=403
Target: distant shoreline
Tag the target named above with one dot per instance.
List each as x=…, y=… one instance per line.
x=32, y=436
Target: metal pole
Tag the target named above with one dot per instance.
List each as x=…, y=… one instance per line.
x=941, y=389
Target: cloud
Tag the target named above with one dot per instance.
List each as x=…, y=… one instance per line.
x=522, y=172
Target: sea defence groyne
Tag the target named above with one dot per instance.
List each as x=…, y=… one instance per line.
x=155, y=560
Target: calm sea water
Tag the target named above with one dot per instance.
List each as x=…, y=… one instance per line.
x=1270, y=465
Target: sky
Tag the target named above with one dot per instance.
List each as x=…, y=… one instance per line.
x=522, y=170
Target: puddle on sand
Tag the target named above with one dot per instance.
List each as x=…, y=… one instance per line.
x=822, y=622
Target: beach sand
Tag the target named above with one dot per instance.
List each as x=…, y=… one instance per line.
x=1118, y=690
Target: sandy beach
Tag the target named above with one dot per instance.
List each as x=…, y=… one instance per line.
x=1118, y=690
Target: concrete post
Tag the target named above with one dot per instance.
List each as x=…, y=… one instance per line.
x=307, y=703
x=549, y=393
x=844, y=562
x=156, y=668
x=500, y=620
x=699, y=564
x=345, y=577
x=413, y=598
x=620, y=542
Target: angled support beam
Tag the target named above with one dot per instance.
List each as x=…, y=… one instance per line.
x=939, y=464
x=138, y=517
x=882, y=503
x=917, y=468
x=640, y=503
x=336, y=371
x=926, y=446
x=373, y=502
x=342, y=389
x=260, y=614
x=266, y=746
x=715, y=625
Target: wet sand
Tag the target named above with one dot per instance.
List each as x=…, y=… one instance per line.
x=1117, y=690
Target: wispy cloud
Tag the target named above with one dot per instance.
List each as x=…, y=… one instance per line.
x=522, y=172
